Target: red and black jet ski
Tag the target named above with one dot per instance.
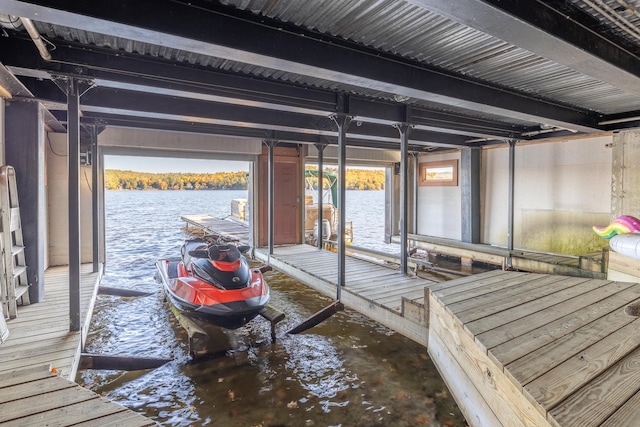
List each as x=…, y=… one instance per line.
x=213, y=281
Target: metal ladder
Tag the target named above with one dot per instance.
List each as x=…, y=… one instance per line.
x=13, y=271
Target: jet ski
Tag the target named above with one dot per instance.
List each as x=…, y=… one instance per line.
x=212, y=281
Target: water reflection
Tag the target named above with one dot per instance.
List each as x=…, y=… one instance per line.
x=347, y=371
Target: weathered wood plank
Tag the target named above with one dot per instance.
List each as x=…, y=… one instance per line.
x=470, y=400
x=489, y=304
x=545, y=314
x=395, y=301
x=627, y=415
x=50, y=401
x=35, y=349
x=470, y=281
x=563, y=380
x=383, y=282
x=480, y=287
x=120, y=419
x=94, y=410
x=13, y=377
x=33, y=389
x=545, y=305
x=540, y=361
x=524, y=344
x=504, y=398
x=619, y=383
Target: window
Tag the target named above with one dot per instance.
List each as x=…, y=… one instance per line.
x=444, y=173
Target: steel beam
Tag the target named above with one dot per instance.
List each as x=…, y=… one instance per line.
x=257, y=41
x=74, y=89
x=404, y=129
x=342, y=121
x=142, y=74
x=270, y=143
x=470, y=193
x=73, y=159
x=510, y=220
x=95, y=206
x=545, y=29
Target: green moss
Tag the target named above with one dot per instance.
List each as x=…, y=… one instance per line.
x=561, y=232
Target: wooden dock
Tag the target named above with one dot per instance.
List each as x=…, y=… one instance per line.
x=515, y=348
x=40, y=358
x=378, y=291
x=213, y=225
x=524, y=349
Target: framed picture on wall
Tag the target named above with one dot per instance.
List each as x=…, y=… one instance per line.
x=443, y=173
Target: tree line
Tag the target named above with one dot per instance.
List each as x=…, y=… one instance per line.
x=356, y=179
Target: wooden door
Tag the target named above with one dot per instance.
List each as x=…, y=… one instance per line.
x=286, y=206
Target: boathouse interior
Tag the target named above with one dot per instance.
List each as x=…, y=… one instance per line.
x=530, y=110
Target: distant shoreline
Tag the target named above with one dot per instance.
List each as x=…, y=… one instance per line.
x=356, y=179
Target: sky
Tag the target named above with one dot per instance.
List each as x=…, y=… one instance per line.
x=162, y=164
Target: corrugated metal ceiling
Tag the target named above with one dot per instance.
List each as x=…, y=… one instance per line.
x=416, y=34
x=621, y=17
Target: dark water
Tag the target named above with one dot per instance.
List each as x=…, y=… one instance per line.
x=348, y=371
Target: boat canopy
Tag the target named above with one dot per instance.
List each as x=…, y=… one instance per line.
x=331, y=177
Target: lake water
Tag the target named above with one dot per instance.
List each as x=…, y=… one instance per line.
x=348, y=371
